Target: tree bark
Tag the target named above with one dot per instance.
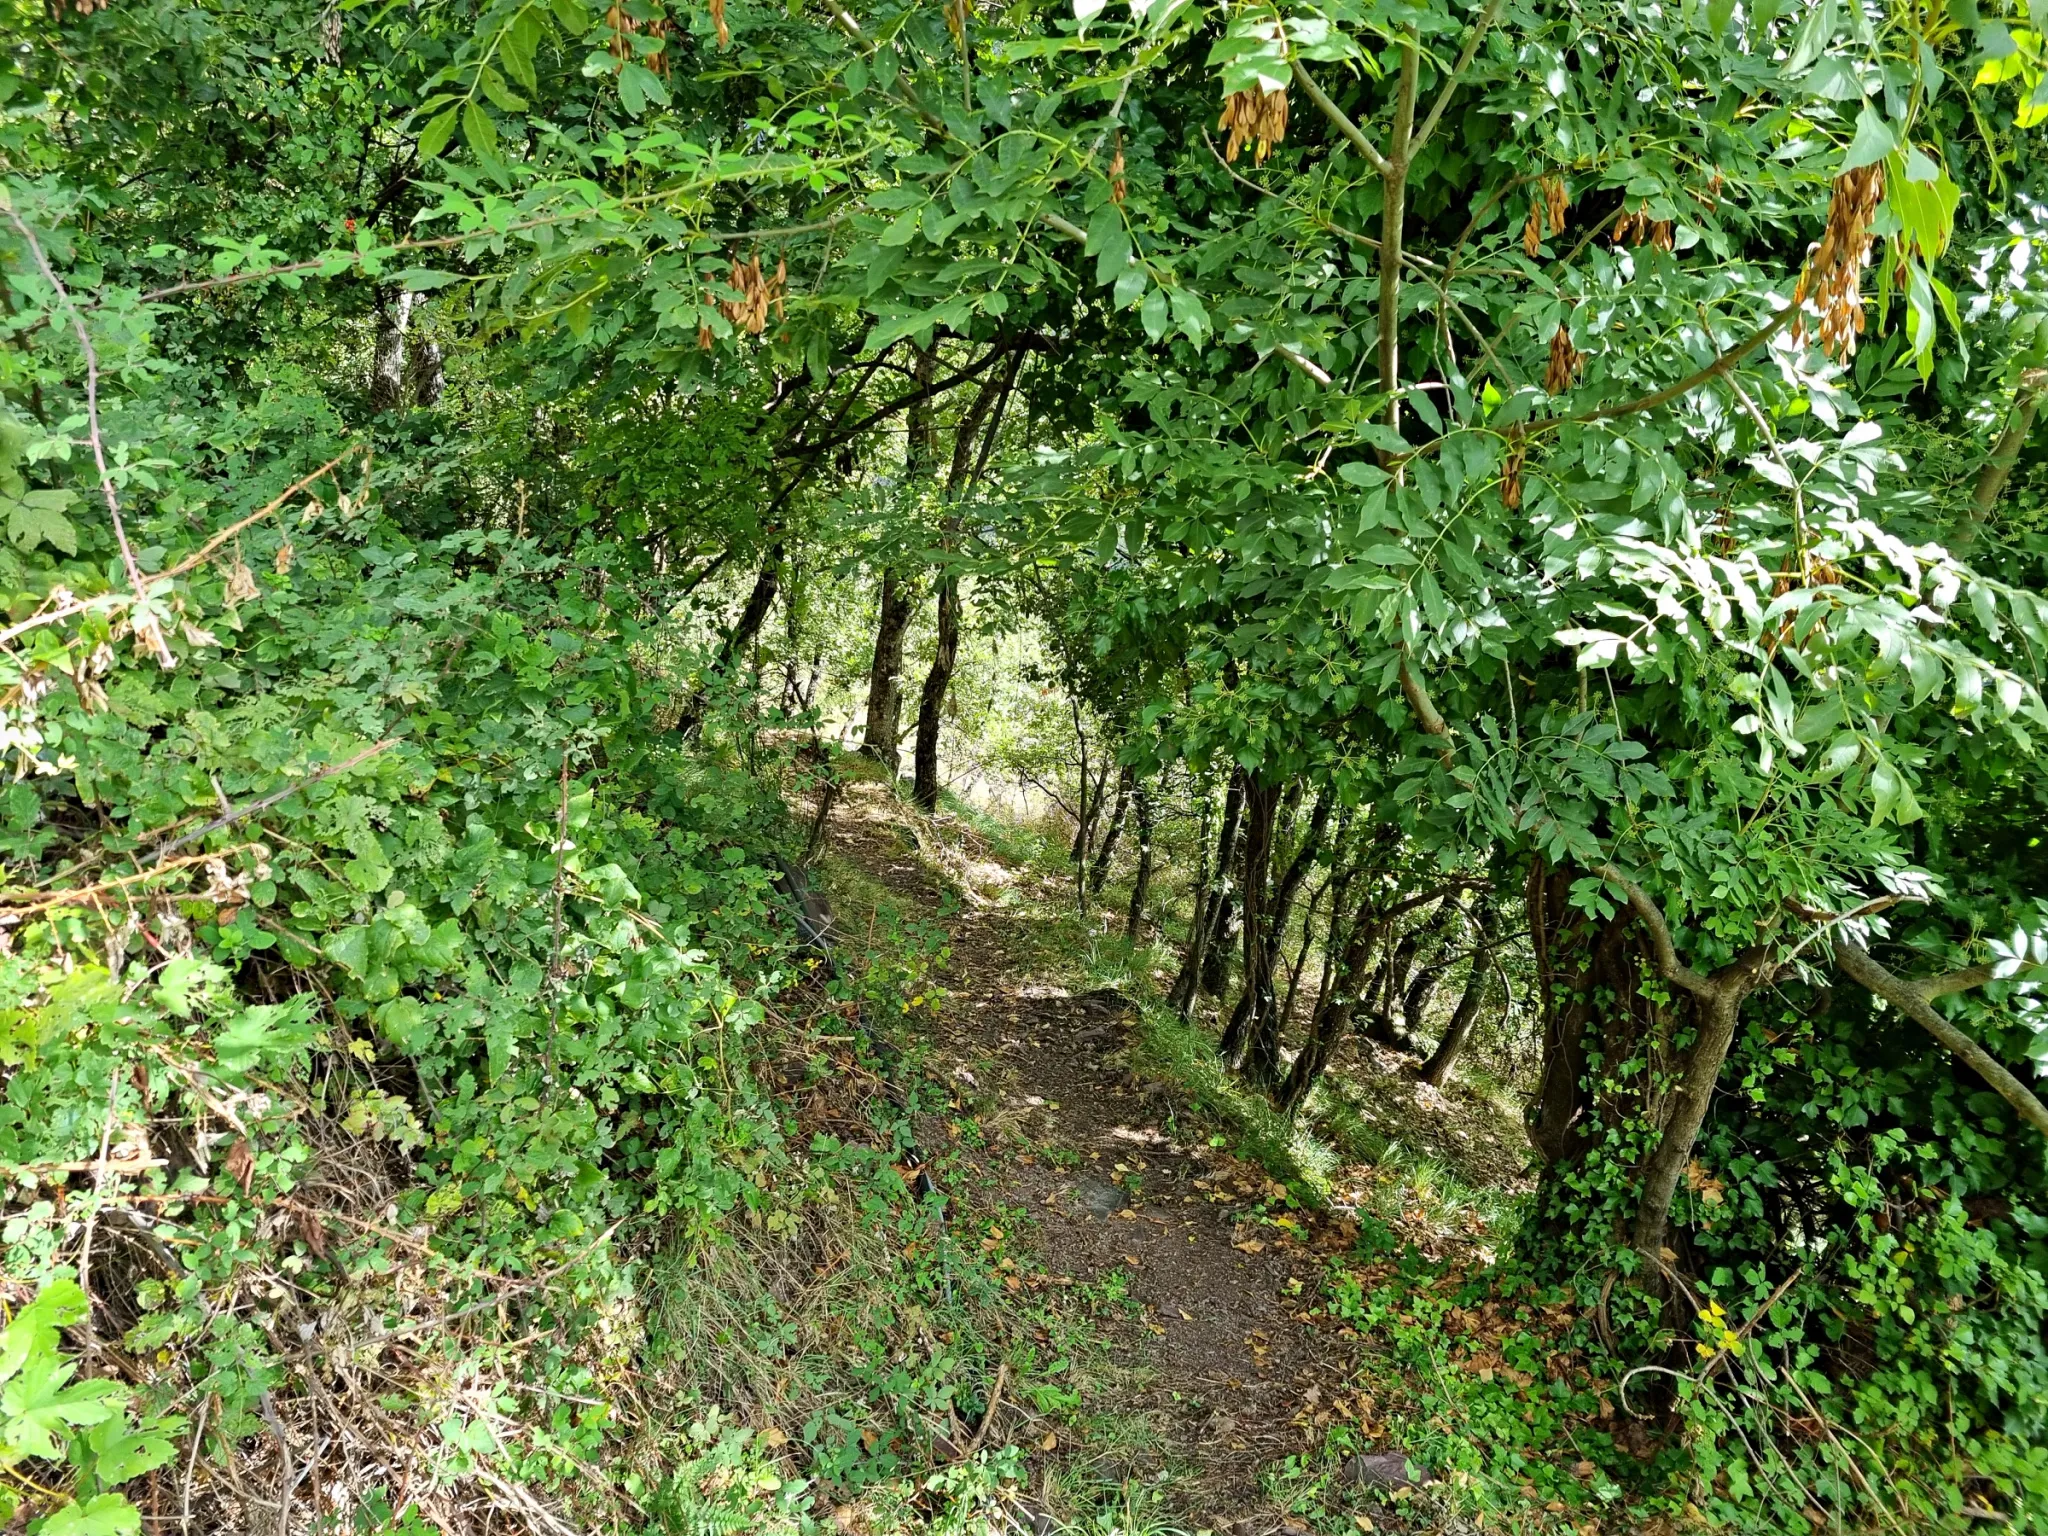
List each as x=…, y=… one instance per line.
x=885, y=675
x=767, y=585
x=387, y=363
x=884, y=732
x=1262, y=807
x=1098, y=874
x=1182, y=998
x=1141, y=882
x=1222, y=911
x=1437, y=1070
x=925, y=757
x=931, y=701
x=1335, y=1007
x=1262, y=1044
x=427, y=373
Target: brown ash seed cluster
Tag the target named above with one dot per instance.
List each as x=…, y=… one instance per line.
x=1638, y=228
x=1546, y=213
x=1565, y=362
x=1834, y=273
x=758, y=293
x=1255, y=117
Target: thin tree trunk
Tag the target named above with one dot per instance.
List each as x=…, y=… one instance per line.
x=931, y=703
x=767, y=585
x=1141, y=882
x=1308, y=933
x=1716, y=1016
x=925, y=758
x=884, y=733
x=1437, y=1070
x=1216, y=958
x=1182, y=998
x=1262, y=1044
x=1334, y=1009
x=1098, y=875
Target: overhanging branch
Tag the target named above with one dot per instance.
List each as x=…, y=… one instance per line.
x=1913, y=999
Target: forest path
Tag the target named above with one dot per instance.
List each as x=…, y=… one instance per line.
x=1219, y=1366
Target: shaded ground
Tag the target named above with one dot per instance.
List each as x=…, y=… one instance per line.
x=1221, y=1366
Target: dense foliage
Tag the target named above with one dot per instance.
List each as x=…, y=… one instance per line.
x=1468, y=504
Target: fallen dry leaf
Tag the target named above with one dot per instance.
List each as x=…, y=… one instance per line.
x=1250, y=1245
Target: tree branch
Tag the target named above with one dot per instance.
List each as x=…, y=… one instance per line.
x=1913, y=1000
x=92, y=412
x=1479, y=30
x=1423, y=708
x=1686, y=386
x=1340, y=120
x=1669, y=966
x=905, y=401
x=1393, y=224
x=2004, y=454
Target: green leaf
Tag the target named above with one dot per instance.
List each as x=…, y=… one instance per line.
x=1875, y=138
x=107, y=1514
x=500, y=93
x=37, y=517
x=1152, y=314
x=1813, y=37
x=268, y=1030
x=120, y=1452
x=435, y=136
x=59, y=1304
x=41, y=1404
x=479, y=131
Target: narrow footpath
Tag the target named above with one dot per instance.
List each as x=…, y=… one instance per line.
x=1221, y=1367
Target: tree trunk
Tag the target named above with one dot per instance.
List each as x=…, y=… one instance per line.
x=931, y=703
x=1141, y=882
x=1262, y=1044
x=1262, y=808
x=1334, y=1009
x=387, y=363
x=1182, y=998
x=885, y=675
x=1308, y=934
x=1715, y=1017
x=427, y=373
x=1098, y=876
x=925, y=758
x=1437, y=1070
x=1223, y=910
x=766, y=587
x=884, y=732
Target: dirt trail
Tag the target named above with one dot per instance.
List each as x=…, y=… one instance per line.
x=1223, y=1359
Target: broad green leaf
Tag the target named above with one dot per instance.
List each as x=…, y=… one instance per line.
x=1875, y=138
x=435, y=136
x=37, y=517
x=106, y=1514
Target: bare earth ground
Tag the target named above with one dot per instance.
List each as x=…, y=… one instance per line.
x=1221, y=1365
